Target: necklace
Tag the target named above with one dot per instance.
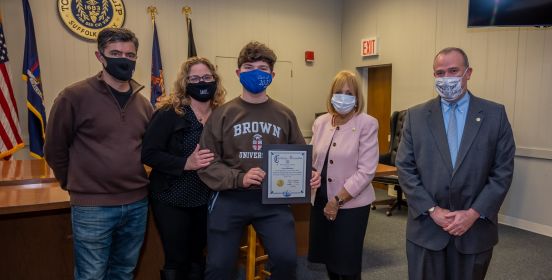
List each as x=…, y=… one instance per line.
x=202, y=118
x=338, y=120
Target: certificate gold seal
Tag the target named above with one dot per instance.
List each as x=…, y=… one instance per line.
x=87, y=18
x=280, y=183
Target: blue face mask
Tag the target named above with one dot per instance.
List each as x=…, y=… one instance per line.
x=255, y=81
x=343, y=103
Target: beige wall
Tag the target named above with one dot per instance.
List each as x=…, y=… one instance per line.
x=221, y=29
x=512, y=66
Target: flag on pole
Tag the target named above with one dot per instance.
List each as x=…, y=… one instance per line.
x=10, y=131
x=191, y=44
x=157, y=80
x=35, y=98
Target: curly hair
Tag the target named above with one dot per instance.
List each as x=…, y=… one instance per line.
x=179, y=97
x=256, y=51
x=341, y=79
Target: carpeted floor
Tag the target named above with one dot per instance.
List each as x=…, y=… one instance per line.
x=519, y=254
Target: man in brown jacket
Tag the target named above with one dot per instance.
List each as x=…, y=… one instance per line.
x=93, y=143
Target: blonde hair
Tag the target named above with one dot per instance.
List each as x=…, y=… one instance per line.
x=179, y=97
x=341, y=79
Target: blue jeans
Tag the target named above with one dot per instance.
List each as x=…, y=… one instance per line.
x=107, y=239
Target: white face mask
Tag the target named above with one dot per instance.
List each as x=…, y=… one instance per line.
x=343, y=103
x=449, y=88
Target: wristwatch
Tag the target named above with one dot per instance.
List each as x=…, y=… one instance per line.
x=431, y=210
x=339, y=201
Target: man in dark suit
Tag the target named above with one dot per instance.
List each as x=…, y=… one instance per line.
x=455, y=163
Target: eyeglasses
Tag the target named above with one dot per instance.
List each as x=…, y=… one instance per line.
x=196, y=79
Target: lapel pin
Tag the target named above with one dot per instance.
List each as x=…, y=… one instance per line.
x=354, y=128
x=477, y=119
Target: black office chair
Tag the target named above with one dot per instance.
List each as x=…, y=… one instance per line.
x=397, y=119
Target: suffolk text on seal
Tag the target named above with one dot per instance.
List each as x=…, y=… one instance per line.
x=87, y=18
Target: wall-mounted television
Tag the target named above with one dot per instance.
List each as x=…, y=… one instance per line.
x=482, y=13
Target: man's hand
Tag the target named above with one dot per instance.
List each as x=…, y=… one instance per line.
x=439, y=217
x=315, y=180
x=199, y=159
x=253, y=177
x=462, y=221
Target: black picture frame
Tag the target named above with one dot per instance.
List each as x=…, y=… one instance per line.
x=303, y=194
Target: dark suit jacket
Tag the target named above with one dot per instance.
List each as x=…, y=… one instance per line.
x=483, y=173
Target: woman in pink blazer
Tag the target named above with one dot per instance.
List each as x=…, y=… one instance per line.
x=345, y=149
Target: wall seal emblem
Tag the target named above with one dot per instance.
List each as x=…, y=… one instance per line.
x=86, y=18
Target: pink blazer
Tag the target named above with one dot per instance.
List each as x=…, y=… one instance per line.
x=353, y=156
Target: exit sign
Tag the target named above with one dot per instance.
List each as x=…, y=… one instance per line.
x=369, y=47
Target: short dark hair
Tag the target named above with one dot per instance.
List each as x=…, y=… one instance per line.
x=111, y=34
x=454, y=49
x=256, y=51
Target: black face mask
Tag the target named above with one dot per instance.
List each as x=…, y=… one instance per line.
x=120, y=68
x=202, y=91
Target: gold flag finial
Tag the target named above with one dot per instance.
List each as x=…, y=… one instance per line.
x=187, y=10
x=152, y=10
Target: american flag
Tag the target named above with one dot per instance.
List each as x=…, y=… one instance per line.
x=10, y=131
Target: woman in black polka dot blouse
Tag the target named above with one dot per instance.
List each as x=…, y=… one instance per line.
x=178, y=197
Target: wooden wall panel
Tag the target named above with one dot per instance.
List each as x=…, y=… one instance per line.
x=534, y=90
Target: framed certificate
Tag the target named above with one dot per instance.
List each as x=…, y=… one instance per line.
x=288, y=172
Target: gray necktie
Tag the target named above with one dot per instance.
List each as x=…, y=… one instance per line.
x=452, y=133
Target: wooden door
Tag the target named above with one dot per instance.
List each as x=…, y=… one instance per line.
x=379, y=101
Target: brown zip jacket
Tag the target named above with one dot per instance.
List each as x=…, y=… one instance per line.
x=93, y=145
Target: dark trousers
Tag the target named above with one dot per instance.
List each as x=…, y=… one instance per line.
x=183, y=233
x=274, y=224
x=446, y=264
x=335, y=276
